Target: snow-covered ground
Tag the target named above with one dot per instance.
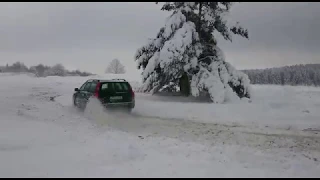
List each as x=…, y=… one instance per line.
x=42, y=135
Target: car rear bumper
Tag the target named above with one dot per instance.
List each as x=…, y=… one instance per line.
x=120, y=105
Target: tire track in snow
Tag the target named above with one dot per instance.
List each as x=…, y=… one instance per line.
x=208, y=133
x=214, y=134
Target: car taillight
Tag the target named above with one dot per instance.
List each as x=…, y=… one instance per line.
x=96, y=92
x=132, y=94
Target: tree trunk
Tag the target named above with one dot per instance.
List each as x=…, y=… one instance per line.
x=199, y=20
x=184, y=85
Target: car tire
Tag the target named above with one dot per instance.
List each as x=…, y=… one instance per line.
x=74, y=101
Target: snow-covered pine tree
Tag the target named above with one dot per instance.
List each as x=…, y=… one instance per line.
x=185, y=53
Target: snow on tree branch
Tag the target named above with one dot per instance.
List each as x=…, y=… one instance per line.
x=185, y=52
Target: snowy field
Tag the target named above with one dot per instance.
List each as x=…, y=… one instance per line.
x=42, y=135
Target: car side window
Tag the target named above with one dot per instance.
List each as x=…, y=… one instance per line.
x=92, y=87
x=87, y=87
x=82, y=87
x=104, y=86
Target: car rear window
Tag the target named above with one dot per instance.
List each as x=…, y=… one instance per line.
x=115, y=86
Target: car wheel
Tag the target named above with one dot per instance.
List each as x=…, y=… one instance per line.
x=76, y=102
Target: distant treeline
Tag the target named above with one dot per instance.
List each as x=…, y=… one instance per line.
x=308, y=75
x=41, y=70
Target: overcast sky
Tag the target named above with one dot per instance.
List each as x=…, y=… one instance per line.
x=87, y=36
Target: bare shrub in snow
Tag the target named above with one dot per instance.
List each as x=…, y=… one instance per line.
x=39, y=70
x=56, y=70
x=16, y=67
x=307, y=74
x=78, y=73
x=186, y=53
x=115, y=67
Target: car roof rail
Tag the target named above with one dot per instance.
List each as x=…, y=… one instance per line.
x=90, y=80
x=120, y=79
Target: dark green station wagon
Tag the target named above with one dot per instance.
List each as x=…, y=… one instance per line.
x=114, y=93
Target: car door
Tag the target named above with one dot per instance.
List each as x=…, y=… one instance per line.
x=85, y=93
x=78, y=94
x=89, y=91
